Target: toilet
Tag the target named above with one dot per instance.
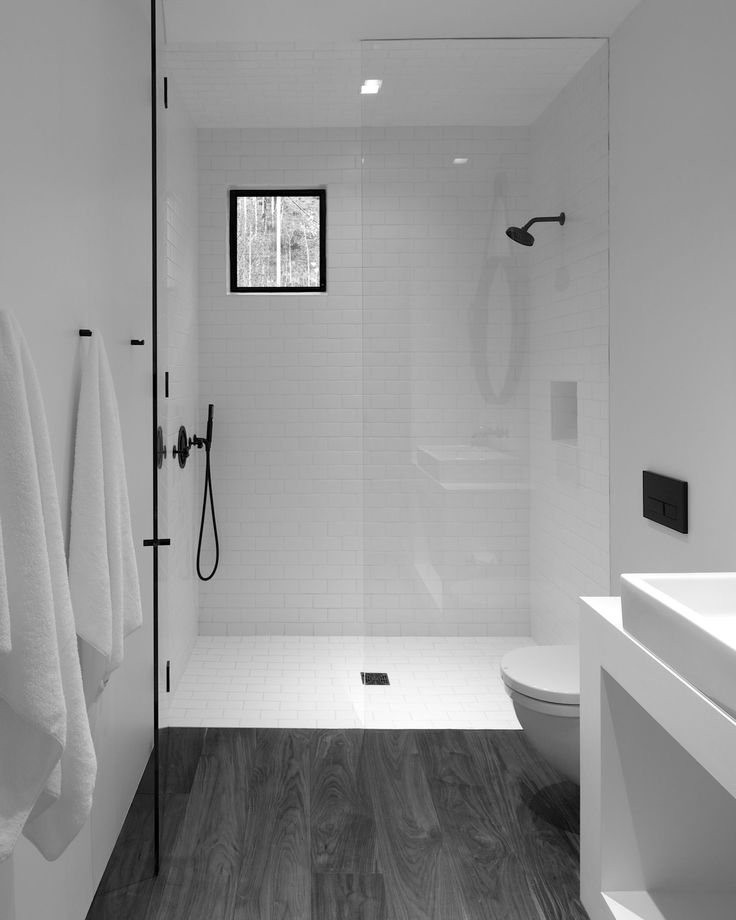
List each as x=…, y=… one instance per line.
x=543, y=682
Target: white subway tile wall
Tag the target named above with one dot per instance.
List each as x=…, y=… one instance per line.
x=285, y=374
x=384, y=461
x=569, y=342
x=323, y=402
x=446, y=401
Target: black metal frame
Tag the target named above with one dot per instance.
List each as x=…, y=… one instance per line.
x=233, y=196
x=155, y=542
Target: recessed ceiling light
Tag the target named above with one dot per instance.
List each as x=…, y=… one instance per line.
x=460, y=161
x=370, y=87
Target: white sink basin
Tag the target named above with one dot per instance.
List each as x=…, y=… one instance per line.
x=466, y=464
x=689, y=621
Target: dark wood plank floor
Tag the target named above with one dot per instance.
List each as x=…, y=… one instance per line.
x=276, y=824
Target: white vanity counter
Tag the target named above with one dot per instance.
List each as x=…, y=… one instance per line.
x=658, y=783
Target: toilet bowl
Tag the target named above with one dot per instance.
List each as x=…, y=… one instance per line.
x=543, y=682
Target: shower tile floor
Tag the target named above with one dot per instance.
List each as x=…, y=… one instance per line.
x=314, y=682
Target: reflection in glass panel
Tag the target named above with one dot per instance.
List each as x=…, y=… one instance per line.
x=477, y=521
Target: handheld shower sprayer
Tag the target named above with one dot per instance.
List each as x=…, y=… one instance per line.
x=210, y=420
x=206, y=442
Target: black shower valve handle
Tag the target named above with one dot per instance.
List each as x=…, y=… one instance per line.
x=182, y=447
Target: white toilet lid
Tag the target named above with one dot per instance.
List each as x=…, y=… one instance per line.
x=544, y=672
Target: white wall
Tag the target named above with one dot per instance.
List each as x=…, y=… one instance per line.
x=569, y=519
x=673, y=316
x=75, y=252
x=179, y=490
x=284, y=373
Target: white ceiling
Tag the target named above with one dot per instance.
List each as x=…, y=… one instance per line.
x=469, y=81
x=262, y=85
x=353, y=20
x=443, y=82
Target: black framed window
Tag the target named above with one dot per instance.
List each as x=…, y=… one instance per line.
x=277, y=240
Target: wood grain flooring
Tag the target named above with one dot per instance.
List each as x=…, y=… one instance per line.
x=277, y=824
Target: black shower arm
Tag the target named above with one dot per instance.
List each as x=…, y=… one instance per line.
x=560, y=219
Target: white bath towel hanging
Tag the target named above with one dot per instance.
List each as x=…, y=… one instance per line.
x=102, y=566
x=47, y=761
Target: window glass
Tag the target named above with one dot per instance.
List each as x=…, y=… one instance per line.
x=277, y=240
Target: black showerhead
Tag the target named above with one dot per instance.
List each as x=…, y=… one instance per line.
x=521, y=234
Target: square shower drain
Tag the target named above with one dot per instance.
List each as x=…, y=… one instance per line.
x=374, y=677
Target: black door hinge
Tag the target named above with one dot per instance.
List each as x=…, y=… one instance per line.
x=168, y=677
x=166, y=92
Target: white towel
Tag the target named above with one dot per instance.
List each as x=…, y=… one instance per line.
x=103, y=574
x=47, y=761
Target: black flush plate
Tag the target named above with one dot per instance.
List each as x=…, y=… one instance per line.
x=665, y=501
x=374, y=677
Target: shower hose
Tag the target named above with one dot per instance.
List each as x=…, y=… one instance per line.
x=207, y=496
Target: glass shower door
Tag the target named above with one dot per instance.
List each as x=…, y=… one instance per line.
x=445, y=336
